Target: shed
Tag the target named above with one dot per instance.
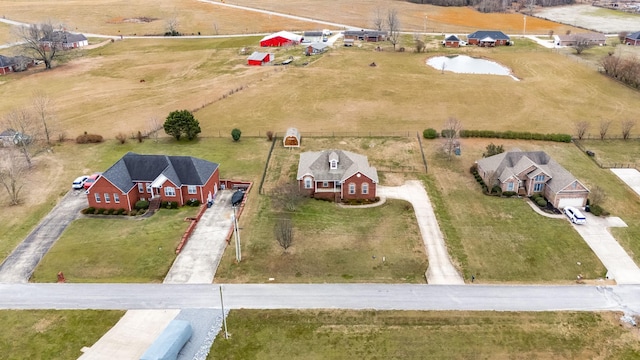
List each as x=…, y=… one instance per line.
x=259, y=58
x=316, y=48
x=291, y=138
x=348, y=42
x=451, y=41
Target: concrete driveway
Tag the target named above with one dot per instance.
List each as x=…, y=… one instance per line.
x=19, y=265
x=441, y=269
x=631, y=177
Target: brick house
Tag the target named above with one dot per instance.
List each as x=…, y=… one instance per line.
x=451, y=41
x=488, y=38
x=154, y=177
x=633, y=39
x=64, y=40
x=592, y=38
x=366, y=35
x=531, y=172
x=336, y=175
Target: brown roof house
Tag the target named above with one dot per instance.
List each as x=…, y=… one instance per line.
x=592, y=38
x=336, y=175
x=531, y=172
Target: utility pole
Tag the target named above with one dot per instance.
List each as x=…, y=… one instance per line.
x=236, y=231
x=524, y=28
x=425, y=24
x=224, y=318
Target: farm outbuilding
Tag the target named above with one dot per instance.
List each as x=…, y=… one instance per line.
x=259, y=58
x=316, y=48
x=291, y=138
x=451, y=41
x=366, y=35
x=281, y=38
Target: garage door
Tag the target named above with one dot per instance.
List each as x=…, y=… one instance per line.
x=577, y=202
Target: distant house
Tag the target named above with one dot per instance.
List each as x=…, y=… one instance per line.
x=291, y=138
x=6, y=137
x=488, y=38
x=348, y=42
x=281, y=38
x=451, y=41
x=533, y=172
x=336, y=175
x=260, y=58
x=6, y=65
x=154, y=178
x=312, y=36
x=366, y=35
x=64, y=40
x=316, y=48
x=592, y=38
x=633, y=39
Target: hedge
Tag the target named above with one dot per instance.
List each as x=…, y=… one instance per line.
x=430, y=133
x=142, y=204
x=514, y=135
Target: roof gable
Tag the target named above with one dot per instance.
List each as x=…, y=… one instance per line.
x=283, y=34
x=495, y=35
x=452, y=38
x=634, y=36
x=317, y=163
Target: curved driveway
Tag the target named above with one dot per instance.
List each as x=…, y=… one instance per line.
x=441, y=270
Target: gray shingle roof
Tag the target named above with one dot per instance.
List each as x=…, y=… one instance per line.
x=65, y=37
x=515, y=161
x=316, y=163
x=634, y=36
x=495, y=35
x=181, y=170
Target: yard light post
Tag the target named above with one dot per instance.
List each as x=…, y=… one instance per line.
x=425, y=24
x=224, y=318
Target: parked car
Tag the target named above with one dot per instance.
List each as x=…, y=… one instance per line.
x=78, y=183
x=574, y=215
x=90, y=180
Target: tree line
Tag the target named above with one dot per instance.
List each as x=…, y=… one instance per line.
x=625, y=70
x=495, y=5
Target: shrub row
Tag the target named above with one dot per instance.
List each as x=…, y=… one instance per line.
x=361, y=201
x=89, y=138
x=193, y=202
x=141, y=204
x=514, y=135
x=539, y=200
x=169, y=204
x=597, y=210
x=100, y=211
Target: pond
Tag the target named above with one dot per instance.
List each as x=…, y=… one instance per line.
x=463, y=64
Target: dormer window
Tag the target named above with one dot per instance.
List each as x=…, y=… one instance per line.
x=333, y=161
x=333, y=164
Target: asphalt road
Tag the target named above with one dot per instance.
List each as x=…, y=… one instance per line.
x=321, y=296
x=19, y=265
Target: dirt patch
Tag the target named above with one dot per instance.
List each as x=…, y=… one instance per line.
x=134, y=20
x=44, y=324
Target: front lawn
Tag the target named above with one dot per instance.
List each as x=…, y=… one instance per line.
x=52, y=334
x=500, y=239
x=331, y=244
x=343, y=334
x=116, y=249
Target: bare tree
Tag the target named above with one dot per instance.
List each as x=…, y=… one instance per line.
x=215, y=28
x=155, y=125
x=626, y=126
x=378, y=19
x=581, y=44
x=581, y=129
x=283, y=231
x=22, y=122
x=604, y=127
x=171, y=26
x=41, y=41
x=597, y=196
x=393, y=24
x=451, y=133
x=287, y=197
x=622, y=35
x=42, y=108
x=12, y=172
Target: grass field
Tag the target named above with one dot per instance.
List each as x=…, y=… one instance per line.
x=334, y=334
x=504, y=240
x=611, y=152
x=52, y=334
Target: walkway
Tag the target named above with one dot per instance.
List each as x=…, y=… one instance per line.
x=20, y=264
x=441, y=270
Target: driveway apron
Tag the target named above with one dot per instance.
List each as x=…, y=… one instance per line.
x=440, y=270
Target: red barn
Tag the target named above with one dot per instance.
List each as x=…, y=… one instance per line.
x=154, y=178
x=259, y=58
x=280, y=38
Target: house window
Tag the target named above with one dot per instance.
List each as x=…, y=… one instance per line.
x=307, y=183
x=169, y=191
x=539, y=177
x=352, y=188
x=192, y=189
x=149, y=188
x=140, y=188
x=325, y=184
x=510, y=186
x=365, y=188
x=538, y=187
x=107, y=198
x=97, y=197
x=116, y=198
x=334, y=164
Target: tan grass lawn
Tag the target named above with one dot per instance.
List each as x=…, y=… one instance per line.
x=5, y=35
x=119, y=17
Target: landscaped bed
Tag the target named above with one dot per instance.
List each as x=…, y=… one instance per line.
x=337, y=334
